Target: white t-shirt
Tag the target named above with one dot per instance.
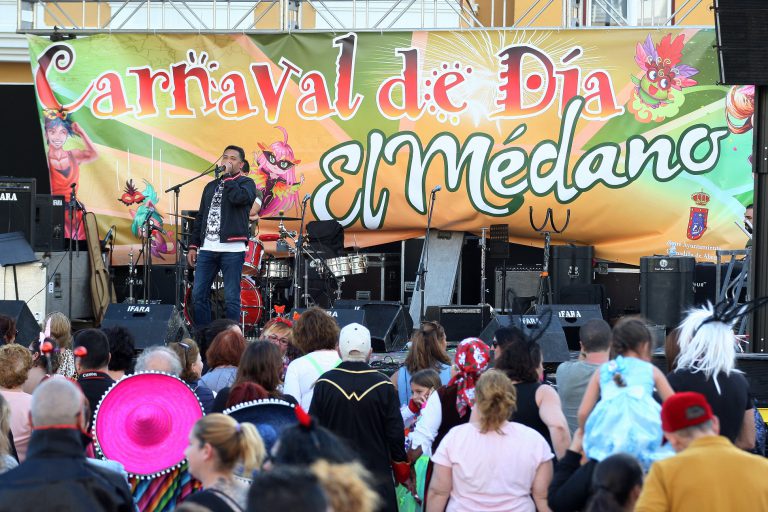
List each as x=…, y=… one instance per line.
x=492, y=472
x=211, y=239
x=303, y=372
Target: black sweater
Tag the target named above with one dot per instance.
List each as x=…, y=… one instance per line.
x=571, y=485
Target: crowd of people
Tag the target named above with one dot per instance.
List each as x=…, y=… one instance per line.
x=298, y=420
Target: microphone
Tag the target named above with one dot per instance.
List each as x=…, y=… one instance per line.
x=306, y=198
x=437, y=188
x=110, y=234
x=219, y=169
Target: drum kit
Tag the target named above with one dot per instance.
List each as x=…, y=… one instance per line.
x=268, y=280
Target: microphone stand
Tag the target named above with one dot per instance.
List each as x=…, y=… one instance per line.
x=422, y=272
x=297, y=296
x=146, y=248
x=72, y=207
x=175, y=189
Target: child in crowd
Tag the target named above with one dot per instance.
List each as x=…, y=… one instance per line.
x=627, y=418
x=423, y=383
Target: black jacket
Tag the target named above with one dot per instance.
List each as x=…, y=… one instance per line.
x=236, y=199
x=360, y=404
x=571, y=485
x=56, y=476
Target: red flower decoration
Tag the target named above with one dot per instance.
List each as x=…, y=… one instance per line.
x=279, y=309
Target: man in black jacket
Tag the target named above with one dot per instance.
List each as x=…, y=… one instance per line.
x=220, y=235
x=55, y=475
x=360, y=404
x=92, y=367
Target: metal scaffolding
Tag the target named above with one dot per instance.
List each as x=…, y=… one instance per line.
x=72, y=17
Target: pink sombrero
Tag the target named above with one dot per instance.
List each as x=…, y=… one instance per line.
x=144, y=421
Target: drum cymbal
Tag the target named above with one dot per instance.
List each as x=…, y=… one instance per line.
x=182, y=216
x=279, y=217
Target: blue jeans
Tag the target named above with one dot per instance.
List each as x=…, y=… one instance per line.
x=208, y=265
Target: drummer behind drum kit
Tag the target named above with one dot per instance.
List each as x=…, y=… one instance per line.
x=275, y=276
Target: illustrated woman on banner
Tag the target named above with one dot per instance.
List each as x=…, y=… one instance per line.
x=275, y=176
x=63, y=164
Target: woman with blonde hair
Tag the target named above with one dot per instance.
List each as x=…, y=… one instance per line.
x=466, y=473
x=279, y=331
x=7, y=461
x=217, y=444
x=61, y=331
x=15, y=362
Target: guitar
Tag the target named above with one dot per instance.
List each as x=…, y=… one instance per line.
x=102, y=291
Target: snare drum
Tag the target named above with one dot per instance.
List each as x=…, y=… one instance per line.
x=253, y=256
x=278, y=269
x=339, y=266
x=251, y=303
x=358, y=263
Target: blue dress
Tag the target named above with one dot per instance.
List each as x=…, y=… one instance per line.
x=626, y=419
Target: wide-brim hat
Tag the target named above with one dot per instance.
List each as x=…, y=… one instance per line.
x=270, y=416
x=143, y=421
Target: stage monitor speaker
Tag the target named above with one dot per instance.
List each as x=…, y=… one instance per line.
x=571, y=317
x=389, y=323
x=17, y=206
x=666, y=288
x=554, y=347
x=570, y=265
x=150, y=324
x=460, y=322
x=26, y=325
x=49, y=223
x=343, y=316
x=741, y=27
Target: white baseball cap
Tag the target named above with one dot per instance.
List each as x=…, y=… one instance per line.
x=354, y=337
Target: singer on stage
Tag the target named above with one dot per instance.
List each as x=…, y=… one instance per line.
x=220, y=234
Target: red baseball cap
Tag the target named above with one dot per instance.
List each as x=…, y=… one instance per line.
x=683, y=410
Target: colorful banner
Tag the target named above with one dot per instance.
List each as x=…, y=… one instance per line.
x=623, y=128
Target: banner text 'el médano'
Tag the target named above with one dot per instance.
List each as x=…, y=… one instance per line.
x=624, y=128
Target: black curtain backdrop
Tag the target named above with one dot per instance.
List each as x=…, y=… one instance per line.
x=21, y=141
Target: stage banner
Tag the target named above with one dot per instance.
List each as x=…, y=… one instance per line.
x=624, y=129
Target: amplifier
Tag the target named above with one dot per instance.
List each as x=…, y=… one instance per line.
x=17, y=206
x=460, y=322
x=521, y=282
x=49, y=223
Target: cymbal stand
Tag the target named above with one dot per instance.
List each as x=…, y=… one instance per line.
x=131, y=278
x=545, y=284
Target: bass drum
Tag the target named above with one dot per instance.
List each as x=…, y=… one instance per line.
x=251, y=302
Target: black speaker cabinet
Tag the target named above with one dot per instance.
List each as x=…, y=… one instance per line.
x=460, y=322
x=551, y=337
x=150, y=324
x=571, y=317
x=162, y=283
x=570, y=265
x=389, y=323
x=17, y=206
x=666, y=288
x=742, y=29
x=49, y=223
x=26, y=324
